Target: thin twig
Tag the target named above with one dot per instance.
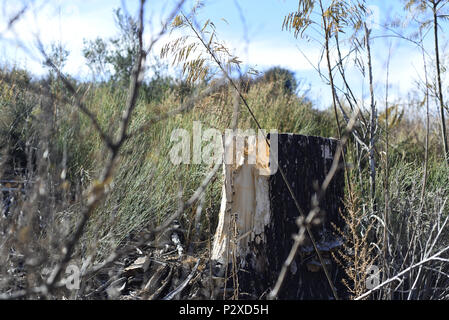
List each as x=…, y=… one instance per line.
x=281, y=171
x=304, y=224
x=435, y=257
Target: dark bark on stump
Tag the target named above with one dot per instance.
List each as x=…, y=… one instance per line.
x=305, y=160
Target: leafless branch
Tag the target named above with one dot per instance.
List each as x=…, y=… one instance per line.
x=305, y=223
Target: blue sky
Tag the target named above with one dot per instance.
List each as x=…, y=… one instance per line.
x=71, y=21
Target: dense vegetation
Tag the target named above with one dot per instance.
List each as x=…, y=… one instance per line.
x=47, y=142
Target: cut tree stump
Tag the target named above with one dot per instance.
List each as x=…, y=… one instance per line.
x=257, y=218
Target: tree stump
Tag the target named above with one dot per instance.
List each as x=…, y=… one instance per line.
x=257, y=218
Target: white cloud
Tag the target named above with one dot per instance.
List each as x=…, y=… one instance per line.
x=53, y=22
x=71, y=21
x=68, y=21
x=268, y=53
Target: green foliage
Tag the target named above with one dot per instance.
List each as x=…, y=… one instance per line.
x=199, y=51
x=58, y=55
x=17, y=111
x=146, y=184
x=283, y=80
x=337, y=15
x=126, y=47
x=160, y=85
x=96, y=55
x=115, y=57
